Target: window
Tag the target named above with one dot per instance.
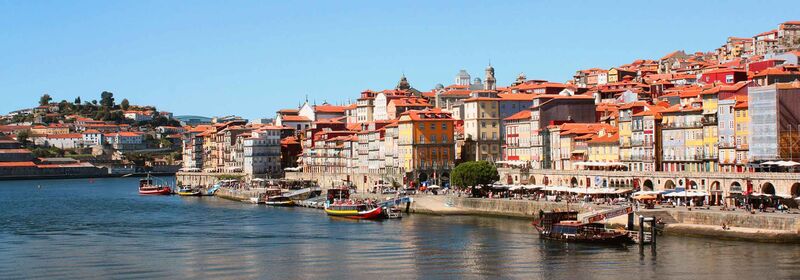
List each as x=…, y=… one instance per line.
x=433, y=126
x=444, y=138
x=433, y=138
x=483, y=124
x=444, y=126
x=422, y=126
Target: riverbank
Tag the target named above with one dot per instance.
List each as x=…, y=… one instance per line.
x=80, y=176
x=744, y=226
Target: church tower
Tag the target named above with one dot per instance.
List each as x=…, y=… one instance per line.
x=490, y=83
x=403, y=83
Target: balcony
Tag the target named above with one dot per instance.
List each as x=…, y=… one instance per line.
x=682, y=125
x=726, y=145
x=709, y=120
x=742, y=146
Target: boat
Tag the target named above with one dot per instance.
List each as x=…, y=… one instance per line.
x=187, y=191
x=279, y=201
x=275, y=197
x=339, y=204
x=146, y=187
x=565, y=226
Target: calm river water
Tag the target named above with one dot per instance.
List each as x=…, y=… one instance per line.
x=58, y=229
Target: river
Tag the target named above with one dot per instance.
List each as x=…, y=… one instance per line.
x=102, y=228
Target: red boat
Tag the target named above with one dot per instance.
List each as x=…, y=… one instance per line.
x=340, y=205
x=146, y=187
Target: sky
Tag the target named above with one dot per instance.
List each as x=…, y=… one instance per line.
x=251, y=58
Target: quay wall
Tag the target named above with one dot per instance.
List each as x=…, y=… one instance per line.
x=362, y=181
x=745, y=226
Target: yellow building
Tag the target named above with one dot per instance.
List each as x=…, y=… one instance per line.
x=710, y=131
x=742, y=121
x=425, y=145
x=604, y=148
x=482, y=125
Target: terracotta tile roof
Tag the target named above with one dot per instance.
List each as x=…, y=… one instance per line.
x=521, y=115
x=457, y=92
x=435, y=114
x=295, y=119
x=605, y=139
x=17, y=164
x=65, y=136
x=14, y=151
x=329, y=109
x=516, y=96
x=410, y=101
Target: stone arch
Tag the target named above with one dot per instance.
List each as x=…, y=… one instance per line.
x=573, y=182
x=795, y=189
x=691, y=185
x=768, y=188
x=647, y=185
x=715, y=186
x=736, y=187
x=669, y=185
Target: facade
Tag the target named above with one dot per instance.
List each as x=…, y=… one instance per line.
x=551, y=110
x=773, y=126
x=517, y=146
x=425, y=145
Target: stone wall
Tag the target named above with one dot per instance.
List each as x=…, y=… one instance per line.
x=362, y=181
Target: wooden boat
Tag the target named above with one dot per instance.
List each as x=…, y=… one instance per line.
x=279, y=201
x=340, y=205
x=146, y=187
x=564, y=226
x=187, y=191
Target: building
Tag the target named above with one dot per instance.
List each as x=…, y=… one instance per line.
x=549, y=110
x=261, y=151
x=426, y=150
x=482, y=125
x=774, y=127
x=742, y=133
x=517, y=144
x=397, y=106
x=682, y=138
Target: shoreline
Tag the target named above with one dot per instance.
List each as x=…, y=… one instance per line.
x=764, y=228
x=78, y=176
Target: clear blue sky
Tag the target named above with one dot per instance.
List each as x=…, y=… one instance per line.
x=254, y=57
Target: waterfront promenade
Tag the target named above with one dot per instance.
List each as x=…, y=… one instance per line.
x=699, y=221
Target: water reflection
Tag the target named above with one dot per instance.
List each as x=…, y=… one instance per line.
x=77, y=229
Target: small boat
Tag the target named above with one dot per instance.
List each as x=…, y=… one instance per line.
x=279, y=201
x=564, y=226
x=275, y=197
x=146, y=187
x=339, y=205
x=187, y=191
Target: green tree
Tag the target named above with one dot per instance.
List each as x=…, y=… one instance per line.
x=78, y=100
x=94, y=102
x=23, y=137
x=107, y=99
x=45, y=99
x=474, y=173
x=125, y=104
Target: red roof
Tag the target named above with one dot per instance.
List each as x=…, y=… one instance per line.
x=329, y=109
x=521, y=115
x=295, y=119
x=17, y=164
x=65, y=136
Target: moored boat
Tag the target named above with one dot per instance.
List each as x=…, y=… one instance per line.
x=187, y=191
x=146, y=187
x=565, y=226
x=339, y=204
